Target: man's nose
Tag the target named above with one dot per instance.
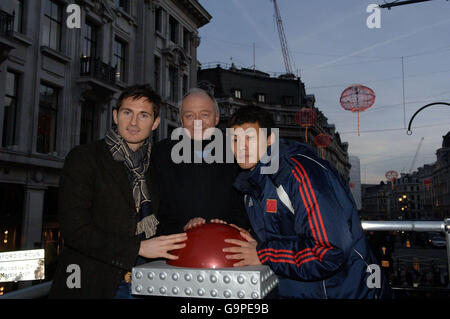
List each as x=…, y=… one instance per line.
x=134, y=119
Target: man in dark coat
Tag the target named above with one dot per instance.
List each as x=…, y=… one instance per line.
x=105, y=209
x=195, y=191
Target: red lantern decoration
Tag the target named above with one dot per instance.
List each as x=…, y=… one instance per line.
x=306, y=117
x=322, y=141
x=391, y=176
x=204, y=246
x=427, y=183
x=357, y=98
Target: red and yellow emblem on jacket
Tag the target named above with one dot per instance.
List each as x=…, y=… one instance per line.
x=271, y=206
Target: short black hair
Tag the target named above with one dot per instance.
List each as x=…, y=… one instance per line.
x=253, y=114
x=139, y=91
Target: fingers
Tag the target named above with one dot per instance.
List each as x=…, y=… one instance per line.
x=235, y=256
x=232, y=249
x=194, y=222
x=175, y=247
x=218, y=221
x=247, y=236
x=169, y=256
x=235, y=242
x=237, y=227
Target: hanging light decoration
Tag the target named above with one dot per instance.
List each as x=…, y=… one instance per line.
x=357, y=98
x=306, y=117
x=391, y=176
x=322, y=141
x=427, y=183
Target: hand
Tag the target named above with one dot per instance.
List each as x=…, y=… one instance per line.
x=242, y=230
x=246, y=251
x=218, y=221
x=158, y=247
x=197, y=221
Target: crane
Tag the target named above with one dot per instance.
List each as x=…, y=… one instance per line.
x=283, y=40
x=415, y=156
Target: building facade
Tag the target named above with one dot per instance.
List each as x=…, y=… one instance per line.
x=282, y=96
x=60, y=82
x=421, y=195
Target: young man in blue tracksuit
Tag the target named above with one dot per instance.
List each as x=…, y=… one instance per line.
x=306, y=225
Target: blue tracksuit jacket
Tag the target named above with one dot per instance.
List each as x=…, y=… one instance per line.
x=308, y=229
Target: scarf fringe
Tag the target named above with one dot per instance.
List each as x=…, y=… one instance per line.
x=148, y=225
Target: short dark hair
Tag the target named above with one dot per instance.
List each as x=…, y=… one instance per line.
x=253, y=114
x=139, y=91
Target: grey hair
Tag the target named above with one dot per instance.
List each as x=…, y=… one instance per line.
x=196, y=90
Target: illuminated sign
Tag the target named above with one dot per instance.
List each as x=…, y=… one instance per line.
x=22, y=265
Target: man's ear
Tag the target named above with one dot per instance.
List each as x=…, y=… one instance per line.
x=217, y=119
x=156, y=123
x=115, y=115
x=271, y=139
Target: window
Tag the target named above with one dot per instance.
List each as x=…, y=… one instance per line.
x=88, y=124
x=89, y=40
x=185, y=84
x=187, y=41
x=18, y=16
x=261, y=98
x=158, y=20
x=157, y=73
x=10, y=109
x=122, y=4
x=238, y=94
x=119, y=59
x=48, y=114
x=173, y=30
x=173, y=80
x=51, y=36
x=288, y=100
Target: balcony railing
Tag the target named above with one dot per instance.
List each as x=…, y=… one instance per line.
x=98, y=70
x=42, y=290
x=6, y=24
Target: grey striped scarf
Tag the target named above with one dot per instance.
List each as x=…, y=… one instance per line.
x=137, y=164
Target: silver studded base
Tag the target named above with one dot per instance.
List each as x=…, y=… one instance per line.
x=159, y=279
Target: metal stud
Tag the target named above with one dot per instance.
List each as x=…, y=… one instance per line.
x=241, y=294
x=227, y=279
x=241, y=279
x=138, y=288
x=200, y=278
x=175, y=290
x=201, y=292
x=138, y=275
x=188, y=291
x=227, y=294
x=255, y=295
x=214, y=293
x=150, y=289
x=188, y=277
x=213, y=279
x=163, y=275
x=163, y=290
x=151, y=275
x=175, y=276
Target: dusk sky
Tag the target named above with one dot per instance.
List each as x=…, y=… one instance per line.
x=332, y=48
